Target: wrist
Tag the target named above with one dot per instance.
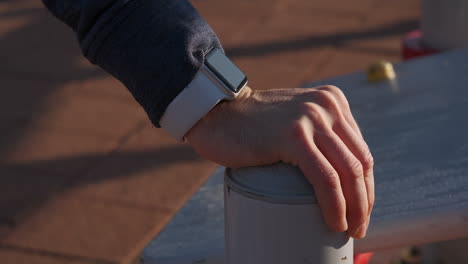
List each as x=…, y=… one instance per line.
x=217, y=81
x=221, y=112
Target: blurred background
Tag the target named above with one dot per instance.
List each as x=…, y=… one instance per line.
x=85, y=178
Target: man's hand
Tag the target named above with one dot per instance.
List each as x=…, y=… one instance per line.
x=310, y=128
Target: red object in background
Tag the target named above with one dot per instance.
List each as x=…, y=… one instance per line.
x=362, y=258
x=413, y=46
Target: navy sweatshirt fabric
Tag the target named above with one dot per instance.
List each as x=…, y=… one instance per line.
x=154, y=47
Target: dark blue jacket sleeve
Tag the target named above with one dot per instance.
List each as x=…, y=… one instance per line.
x=154, y=47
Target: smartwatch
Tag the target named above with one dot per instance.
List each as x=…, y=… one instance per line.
x=218, y=79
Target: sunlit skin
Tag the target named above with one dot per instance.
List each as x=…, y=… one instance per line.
x=313, y=129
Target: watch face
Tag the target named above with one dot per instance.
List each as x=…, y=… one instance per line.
x=225, y=70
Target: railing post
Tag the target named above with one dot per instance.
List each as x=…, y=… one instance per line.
x=272, y=217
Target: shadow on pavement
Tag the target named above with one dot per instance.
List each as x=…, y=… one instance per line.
x=310, y=42
x=23, y=193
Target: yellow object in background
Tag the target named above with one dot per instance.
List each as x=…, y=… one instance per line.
x=380, y=71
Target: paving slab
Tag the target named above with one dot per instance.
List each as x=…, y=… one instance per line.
x=88, y=228
x=22, y=94
x=70, y=110
x=70, y=129
x=330, y=6
x=397, y=5
x=23, y=48
x=382, y=31
x=344, y=61
x=55, y=152
x=233, y=20
x=106, y=87
x=286, y=49
x=150, y=170
x=22, y=190
x=20, y=256
x=300, y=51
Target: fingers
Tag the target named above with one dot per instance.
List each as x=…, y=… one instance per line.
x=361, y=151
x=350, y=172
x=339, y=141
x=347, y=129
x=327, y=187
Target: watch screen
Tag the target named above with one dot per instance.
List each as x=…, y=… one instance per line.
x=225, y=70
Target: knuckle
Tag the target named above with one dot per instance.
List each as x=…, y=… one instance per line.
x=331, y=180
x=356, y=169
x=299, y=130
x=331, y=88
x=326, y=98
x=330, y=104
x=314, y=112
x=368, y=160
x=336, y=91
x=311, y=108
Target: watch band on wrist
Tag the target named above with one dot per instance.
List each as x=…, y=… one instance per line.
x=218, y=79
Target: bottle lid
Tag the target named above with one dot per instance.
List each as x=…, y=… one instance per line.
x=277, y=183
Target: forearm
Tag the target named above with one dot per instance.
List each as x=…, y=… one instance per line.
x=155, y=47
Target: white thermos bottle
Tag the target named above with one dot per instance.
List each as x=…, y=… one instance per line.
x=272, y=217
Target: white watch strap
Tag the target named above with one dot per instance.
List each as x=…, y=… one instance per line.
x=191, y=105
